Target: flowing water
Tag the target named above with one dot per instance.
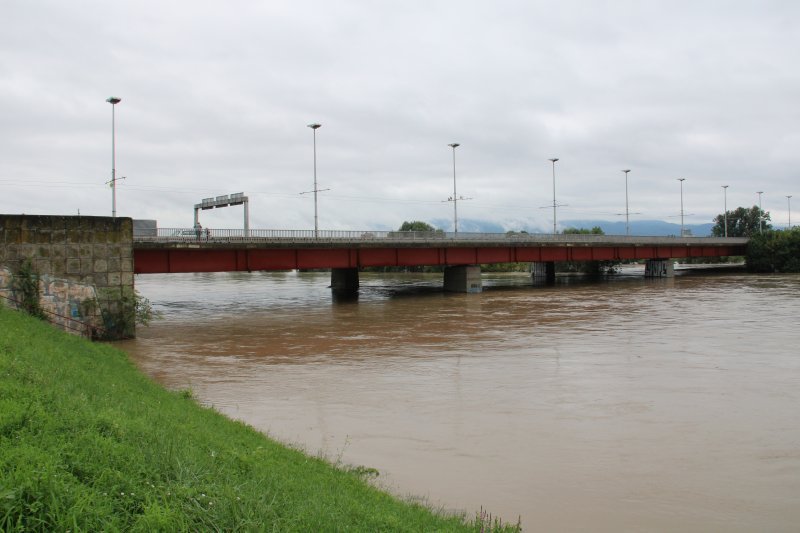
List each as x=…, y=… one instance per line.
x=635, y=405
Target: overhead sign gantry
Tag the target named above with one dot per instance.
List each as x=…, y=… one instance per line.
x=225, y=200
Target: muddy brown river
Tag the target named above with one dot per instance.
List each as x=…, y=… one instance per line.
x=629, y=405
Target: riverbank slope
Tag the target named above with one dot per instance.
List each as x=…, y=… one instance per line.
x=87, y=442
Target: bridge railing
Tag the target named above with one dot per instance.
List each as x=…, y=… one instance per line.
x=188, y=235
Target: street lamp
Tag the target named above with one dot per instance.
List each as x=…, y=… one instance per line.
x=113, y=100
x=789, y=203
x=681, y=180
x=627, y=226
x=315, y=127
x=553, y=160
x=760, y=213
x=725, y=215
x=455, y=196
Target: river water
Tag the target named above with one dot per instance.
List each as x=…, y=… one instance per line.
x=635, y=405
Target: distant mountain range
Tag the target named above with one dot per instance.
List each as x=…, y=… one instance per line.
x=650, y=228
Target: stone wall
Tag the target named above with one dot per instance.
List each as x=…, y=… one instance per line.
x=67, y=304
x=85, y=265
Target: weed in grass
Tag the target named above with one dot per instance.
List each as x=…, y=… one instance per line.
x=339, y=456
x=364, y=472
x=186, y=394
x=489, y=524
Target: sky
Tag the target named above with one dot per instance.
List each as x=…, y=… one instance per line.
x=216, y=98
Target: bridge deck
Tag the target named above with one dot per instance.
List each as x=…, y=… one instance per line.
x=182, y=250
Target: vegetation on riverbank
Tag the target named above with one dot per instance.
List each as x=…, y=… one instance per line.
x=774, y=251
x=88, y=443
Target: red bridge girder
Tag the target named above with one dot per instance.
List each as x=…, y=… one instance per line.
x=170, y=258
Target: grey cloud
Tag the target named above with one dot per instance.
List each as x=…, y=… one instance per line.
x=216, y=99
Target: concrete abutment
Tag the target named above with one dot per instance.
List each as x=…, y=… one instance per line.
x=659, y=268
x=463, y=278
x=543, y=272
x=344, y=280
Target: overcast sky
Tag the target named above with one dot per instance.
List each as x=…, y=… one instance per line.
x=216, y=97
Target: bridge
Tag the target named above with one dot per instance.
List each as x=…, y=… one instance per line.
x=170, y=250
x=86, y=265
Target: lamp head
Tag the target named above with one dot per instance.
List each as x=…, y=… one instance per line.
x=553, y=160
x=113, y=100
x=454, y=145
x=314, y=126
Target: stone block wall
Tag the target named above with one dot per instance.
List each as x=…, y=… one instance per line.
x=85, y=266
x=65, y=303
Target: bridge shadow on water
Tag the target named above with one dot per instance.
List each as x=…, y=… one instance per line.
x=399, y=286
x=377, y=287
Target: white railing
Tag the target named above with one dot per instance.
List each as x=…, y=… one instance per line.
x=188, y=235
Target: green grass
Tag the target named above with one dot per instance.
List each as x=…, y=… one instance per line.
x=88, y=443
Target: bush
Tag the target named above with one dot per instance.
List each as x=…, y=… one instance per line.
x=25, y=284
x=774, y=251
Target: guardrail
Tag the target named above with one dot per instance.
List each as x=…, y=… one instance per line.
x=188, y=235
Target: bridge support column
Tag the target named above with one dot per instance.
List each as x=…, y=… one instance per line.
x=463, y=278
x=344, y=280
x=659, y=268
x=543, y=271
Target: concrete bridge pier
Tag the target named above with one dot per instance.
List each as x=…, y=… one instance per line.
x=659, y=268
x=344, y=280
x=463, y=278
x=543, y=272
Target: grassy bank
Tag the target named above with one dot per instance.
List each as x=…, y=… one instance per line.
x=89, y=443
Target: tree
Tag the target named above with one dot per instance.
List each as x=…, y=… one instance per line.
x=590, y=268
x=742, y=222
x=416, y=225
x=597, y=230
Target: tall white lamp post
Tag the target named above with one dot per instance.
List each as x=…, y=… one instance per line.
x=553, y=160
x=725, y=213
x=789, y=204
x=455, y=196
x=315, y=127
x=760, y=213
x=681, y=180
x=627, y=224
x=113, y=100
